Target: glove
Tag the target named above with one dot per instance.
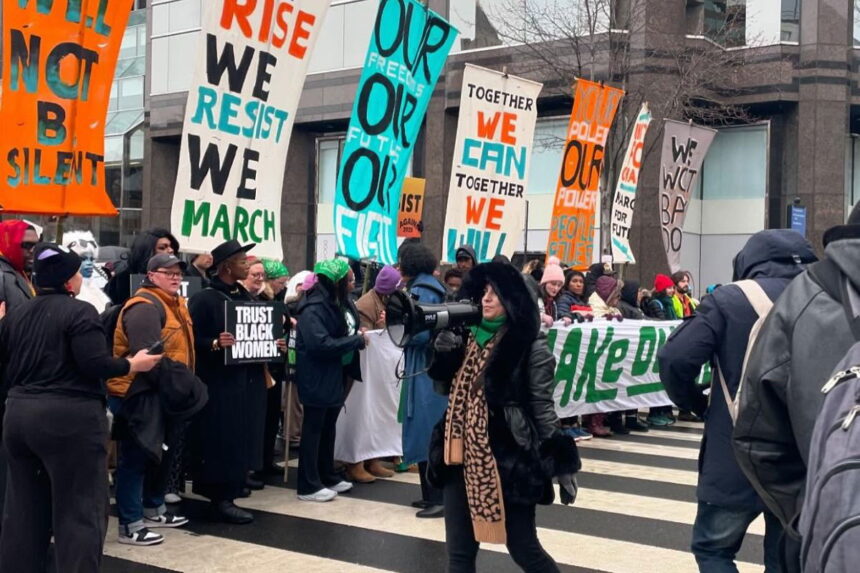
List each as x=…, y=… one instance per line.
x=568, y=488
x=447, y=341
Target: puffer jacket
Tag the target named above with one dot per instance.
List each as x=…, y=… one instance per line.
x=524, y=430
x=566, y=301
x=721, y=329
x=805, y=336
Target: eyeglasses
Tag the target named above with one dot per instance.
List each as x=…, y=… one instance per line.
x=28, y=245
x=258, y=275
x=170, y=274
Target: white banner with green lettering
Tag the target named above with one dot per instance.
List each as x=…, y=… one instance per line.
x=609, y=366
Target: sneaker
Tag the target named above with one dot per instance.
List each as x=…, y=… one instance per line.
x=324, y=494
x=172, y=498
x=688, y=417
x=581, y=435
x=341, y=487
x=166, y=519
x=141, y=537
x=658, y=421
x=619, y=428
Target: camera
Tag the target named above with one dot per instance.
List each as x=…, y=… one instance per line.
x=405, y=317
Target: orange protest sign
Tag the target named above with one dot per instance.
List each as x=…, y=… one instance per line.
x=574, y=211
x=58, y=63
x=411, y=208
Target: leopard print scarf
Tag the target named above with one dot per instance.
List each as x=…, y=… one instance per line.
x=467, y=443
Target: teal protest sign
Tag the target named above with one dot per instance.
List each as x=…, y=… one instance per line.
x=609, y=367
x=408, y=49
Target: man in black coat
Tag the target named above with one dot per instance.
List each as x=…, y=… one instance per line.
x=226, y=438
x=718, y=333
x=806, y=335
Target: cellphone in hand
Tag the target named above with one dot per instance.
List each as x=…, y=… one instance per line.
x=157, y=348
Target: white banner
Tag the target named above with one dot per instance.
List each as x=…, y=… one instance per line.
x=251, y=66
x=600, y=367
x=492, y=154
x=684, y=148
x=368, y=428
x=625, y=192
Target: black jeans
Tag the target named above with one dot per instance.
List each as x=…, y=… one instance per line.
x=429, y=493
x=57, y=483
x=316, y=451
x=523, y=544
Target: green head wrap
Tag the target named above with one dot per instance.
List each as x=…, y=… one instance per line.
x=274, y=269
x=333, y=269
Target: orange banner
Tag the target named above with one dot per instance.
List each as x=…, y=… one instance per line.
x=577, y=197
x=411, y=208
x=58, y=63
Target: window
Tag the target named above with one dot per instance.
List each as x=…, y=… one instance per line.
x=857, y=23
x=790, y=31
x=550, y=137
x=328, y=162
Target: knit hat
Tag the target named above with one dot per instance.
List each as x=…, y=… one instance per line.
x=662, y=282
x=53, y=265
x=552, y=272
x=309, y=282
x=274, y=269
x=298, y=279
x=332, y=269
x=605, y=286
x=387, y=280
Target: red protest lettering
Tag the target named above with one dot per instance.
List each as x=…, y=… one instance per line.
x=509, y=125
x=487, y=127
x=300, y=32
x=233, y=10
x=474, y=210
x=495, y=214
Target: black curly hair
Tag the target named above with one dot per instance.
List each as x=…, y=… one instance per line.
x=416, y=259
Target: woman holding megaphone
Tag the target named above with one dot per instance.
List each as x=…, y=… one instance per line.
x=500, y=443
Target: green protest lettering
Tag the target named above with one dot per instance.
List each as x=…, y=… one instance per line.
x=645, y=351
x=256, y=226
x=567, y=361
x=588, y=376
x=617, y=354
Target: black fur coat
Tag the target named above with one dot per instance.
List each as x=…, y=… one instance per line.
x=524, y=431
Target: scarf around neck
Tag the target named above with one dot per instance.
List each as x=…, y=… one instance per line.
x=487, y=329
x=467, y=443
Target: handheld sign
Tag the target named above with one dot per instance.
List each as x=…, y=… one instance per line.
x=257, y=327
x=411, y=208
x=190, y=285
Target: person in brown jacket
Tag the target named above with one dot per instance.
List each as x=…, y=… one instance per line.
x=371, y=311
x=155, y=312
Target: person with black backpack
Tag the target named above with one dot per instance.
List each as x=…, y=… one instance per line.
x=807, y=333
x=718, y=334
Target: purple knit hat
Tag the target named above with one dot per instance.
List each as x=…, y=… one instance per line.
x=387, y=280
x=605, y=286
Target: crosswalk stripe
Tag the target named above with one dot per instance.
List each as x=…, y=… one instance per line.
x=638, y=448
x=696, y=437
x=185, y=551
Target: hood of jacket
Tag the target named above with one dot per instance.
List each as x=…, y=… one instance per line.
x=143, y=248
x=469, y=251
x=11, y=235
x=520, y=306
x=774, y=253
x=844, y=252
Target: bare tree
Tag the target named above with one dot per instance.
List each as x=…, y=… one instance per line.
x=595, y=40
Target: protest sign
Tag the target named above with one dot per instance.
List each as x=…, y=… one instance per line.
x=684, y=148
x=188, y=288
x=251, y=65
x=492, y=153
x=407, y=52
x=625, y=192
x=59, y=60
x=411, y=208
x=257, y=327
x=571, y=234
x=609, y=366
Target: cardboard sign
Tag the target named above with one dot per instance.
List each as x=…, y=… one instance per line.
x=574, y=212
x=624, y=201
x=492, y=155
x=408, y=49
x=252, y=60
x=257, y=327
x=684, y=148
x=59, y=60
x=411, y=208
x=189, y=287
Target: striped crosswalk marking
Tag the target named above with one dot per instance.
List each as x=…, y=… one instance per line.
x=634, y=513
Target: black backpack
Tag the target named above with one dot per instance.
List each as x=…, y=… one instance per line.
x=110, y=316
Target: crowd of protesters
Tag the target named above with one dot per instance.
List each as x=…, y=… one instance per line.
x=73, y=344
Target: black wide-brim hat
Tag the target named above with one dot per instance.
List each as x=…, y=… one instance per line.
x=226, y=250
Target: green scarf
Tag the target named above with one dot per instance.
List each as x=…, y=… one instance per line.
x=488, y=328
